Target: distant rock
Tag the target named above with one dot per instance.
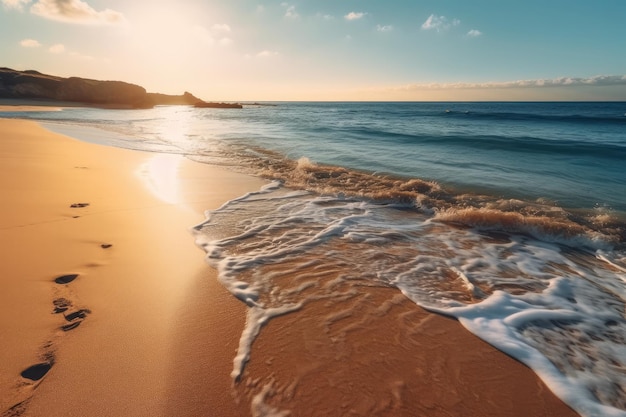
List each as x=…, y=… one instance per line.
x=166, y=99
x=218, y=105
x=261, y=104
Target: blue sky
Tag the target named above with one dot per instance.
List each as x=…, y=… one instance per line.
x=329, y=50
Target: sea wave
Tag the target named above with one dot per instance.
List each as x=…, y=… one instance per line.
x=617, y=118
x=597, y=229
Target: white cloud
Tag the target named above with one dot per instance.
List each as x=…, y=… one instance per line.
x=15, y=4
x=221, y=27
x=474, y=33
x=75, y=11
x=30, y=43
x=598, y=80
x=354, y=15
x=266, y=54
x=225, y=41
x=57, y=48
x=384, y=28
x=439, y=23
x=291, y=12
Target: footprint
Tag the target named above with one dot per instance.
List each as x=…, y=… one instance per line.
x=17, y=410
x=66, y=279
x=61, y=305
x=72, y=326
x=79, y=205
x=36, y=372
x=58, y=310
x=79, y=314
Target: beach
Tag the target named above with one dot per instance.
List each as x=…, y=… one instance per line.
x=118, y=360
x=155, y=333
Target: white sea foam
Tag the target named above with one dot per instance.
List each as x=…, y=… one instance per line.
x=256, y=318
x=559, y=309
x=259, y=408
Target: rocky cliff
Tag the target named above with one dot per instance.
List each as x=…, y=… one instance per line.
x=35, y=85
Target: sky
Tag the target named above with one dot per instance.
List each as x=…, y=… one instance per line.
x=415, y=50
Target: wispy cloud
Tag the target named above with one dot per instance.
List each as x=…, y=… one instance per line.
x=474, y=33
x=598, y=80
x=291, y=12
x=326, y=17
x=384, y=28
x=439, y=23
x=15, y=4
x=75, y=11
x=30, y=43
x=266, y=54
x=212, y=36
x=355, y=15
x=58, y=48
x=81, y=56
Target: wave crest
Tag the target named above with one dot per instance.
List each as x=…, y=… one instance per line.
x=540, y=227
x=542, y=219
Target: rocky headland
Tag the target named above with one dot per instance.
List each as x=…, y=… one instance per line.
x=33, y=85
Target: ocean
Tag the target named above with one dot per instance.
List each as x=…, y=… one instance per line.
x=510, y=217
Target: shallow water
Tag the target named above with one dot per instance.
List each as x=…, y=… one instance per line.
x=557, y=308
x=508, y=216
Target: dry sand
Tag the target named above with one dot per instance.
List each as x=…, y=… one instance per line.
x=118, y=360
x=157, y=333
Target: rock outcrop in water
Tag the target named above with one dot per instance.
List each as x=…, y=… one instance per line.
x=33, y=85
x=218, y=105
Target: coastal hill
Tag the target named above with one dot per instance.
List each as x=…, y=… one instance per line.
x=33, y=85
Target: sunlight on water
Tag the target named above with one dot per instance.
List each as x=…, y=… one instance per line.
x=160, y=174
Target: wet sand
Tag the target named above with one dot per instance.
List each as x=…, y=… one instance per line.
x=108, y=308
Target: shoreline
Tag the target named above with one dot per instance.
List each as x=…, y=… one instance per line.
x=159, y=332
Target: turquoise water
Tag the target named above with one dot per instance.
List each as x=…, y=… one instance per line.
x=508, y=216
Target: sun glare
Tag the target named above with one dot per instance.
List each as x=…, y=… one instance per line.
x=160, y=174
